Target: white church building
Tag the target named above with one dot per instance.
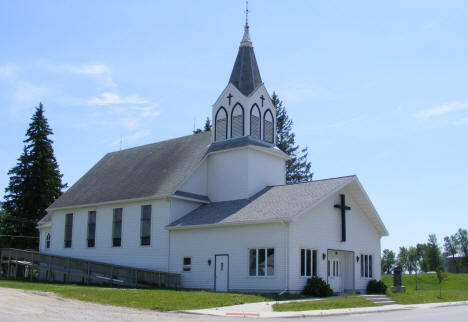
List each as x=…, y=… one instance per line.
x=215, y=208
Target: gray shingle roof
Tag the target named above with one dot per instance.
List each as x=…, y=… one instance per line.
x=271, y=204
x=237, y=143
x=144, y=171
x=245, y=74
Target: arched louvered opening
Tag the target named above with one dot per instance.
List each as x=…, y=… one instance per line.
x=255, y=122
x=48, y=241
x=268, y=127
x=221, y=125
x=237, y=121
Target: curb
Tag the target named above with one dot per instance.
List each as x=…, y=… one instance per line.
x=322, y=313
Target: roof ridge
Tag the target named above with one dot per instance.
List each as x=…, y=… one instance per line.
x=163, y=141
x=326, y=179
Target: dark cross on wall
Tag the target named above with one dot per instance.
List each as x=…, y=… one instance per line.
x=229, y=98
x=262, y=98
x=343, y=208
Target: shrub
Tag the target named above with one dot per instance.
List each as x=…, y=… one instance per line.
x=376, y=287
x=317, y=287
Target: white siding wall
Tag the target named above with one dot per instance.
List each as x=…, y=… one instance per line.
x=197, y=182
x=42, y=239
x=240, y=173
x=130, y=253
x=321, y=229
x=264, y=170
x=203, y=244
x=228, y=175
x=180, y=208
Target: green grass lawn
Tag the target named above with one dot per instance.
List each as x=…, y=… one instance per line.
x=325, y=304
x=153, y=299
x=455, y=288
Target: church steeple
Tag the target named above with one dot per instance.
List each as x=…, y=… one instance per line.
x=244, y=108
x=245, y=74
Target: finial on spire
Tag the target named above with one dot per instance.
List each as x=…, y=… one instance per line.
x=246, y=12
x=246, y=39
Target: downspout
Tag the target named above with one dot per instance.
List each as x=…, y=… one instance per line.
x=169, y=237
x=286, y=271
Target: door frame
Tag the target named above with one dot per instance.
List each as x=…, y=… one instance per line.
x=216, y=255
x=354, y=264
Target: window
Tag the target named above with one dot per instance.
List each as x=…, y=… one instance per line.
x=268, y=127
x=117, y=228
x=255, y=122
x=221, y=125
x=262, y=262
x=91, y=228
x=237, y=121
x=145, y=230
x=366, y=266
x=308, y=262
x=68, y=230
x=187, y=264
x=47, y=241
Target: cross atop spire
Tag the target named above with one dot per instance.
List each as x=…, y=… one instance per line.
x=246, y=38
x=246, y=12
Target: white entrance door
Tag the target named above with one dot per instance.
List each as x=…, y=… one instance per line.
x=335, y=274
x=221, y=273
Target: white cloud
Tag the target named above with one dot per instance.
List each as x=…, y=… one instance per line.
x=9, y=70
x=443, y=109
x=90, y=69
x=462, y=122
x=116, y=99
x=132, y=137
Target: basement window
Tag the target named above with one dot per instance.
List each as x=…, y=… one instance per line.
x=187, y=264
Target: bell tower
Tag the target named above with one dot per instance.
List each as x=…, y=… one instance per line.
x=244, y=108
x=243, y=158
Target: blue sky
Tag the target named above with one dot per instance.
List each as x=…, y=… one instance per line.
x=377, y=89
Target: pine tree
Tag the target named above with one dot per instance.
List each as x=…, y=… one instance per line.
x=297, y=167
x=35, y=182
x=206, y=127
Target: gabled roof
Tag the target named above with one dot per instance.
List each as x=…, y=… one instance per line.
x=144, y=171
x=272, y=204
x=245, y=75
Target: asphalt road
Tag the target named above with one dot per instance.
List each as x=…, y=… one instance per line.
x=18, y=305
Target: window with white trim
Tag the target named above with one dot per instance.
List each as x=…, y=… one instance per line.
x=48, y=241
x=145, y=226
x=261, y=262
x=308, y=262
x=366, y=266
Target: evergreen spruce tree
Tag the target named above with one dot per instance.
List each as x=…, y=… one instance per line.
x=35, y=182
x=297, y=167
x=207, y=126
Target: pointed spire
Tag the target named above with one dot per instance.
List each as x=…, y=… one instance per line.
x=245, y=74
x=246, y=38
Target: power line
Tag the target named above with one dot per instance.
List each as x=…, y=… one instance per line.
x=19, y=236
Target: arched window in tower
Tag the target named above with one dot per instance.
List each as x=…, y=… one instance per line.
x=237, y=121
x=255, y=122
x=48, y=241
x=268, y=127
x=221, y=125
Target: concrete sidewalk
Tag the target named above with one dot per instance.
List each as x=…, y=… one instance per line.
x=265, y=310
